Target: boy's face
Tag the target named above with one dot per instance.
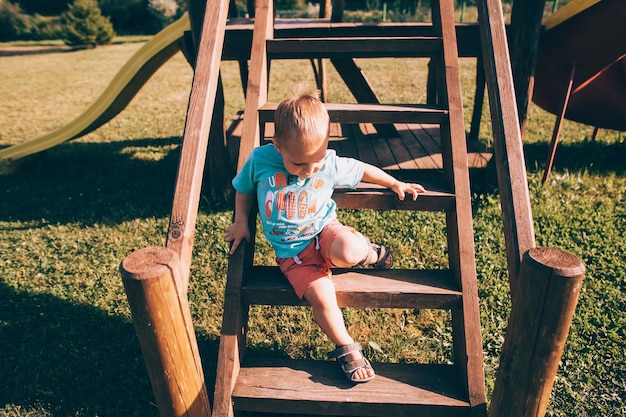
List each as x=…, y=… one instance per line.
x=301, y=161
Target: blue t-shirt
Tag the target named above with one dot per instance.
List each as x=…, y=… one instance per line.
x=293, y=210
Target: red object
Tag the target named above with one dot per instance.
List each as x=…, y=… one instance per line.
x=594, y=41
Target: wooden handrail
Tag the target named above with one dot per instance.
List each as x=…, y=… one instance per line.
x=195, y=139
x=508, y=151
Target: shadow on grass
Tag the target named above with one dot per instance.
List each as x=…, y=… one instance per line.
x=73, y=359
x=70, y=359
x=67, y=357
x=593, y=157
x=598, y=158
x=94, y=182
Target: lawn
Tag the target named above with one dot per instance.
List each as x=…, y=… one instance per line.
x=70, y=215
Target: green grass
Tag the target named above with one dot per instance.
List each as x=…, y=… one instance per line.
x=70, y=215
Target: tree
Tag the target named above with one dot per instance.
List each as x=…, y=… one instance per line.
x=85, y=26
x=13, y=23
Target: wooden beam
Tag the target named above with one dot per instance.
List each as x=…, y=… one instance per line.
x=195, y=138
x=519, y=231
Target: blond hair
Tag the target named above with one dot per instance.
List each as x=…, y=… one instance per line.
x=302, y=118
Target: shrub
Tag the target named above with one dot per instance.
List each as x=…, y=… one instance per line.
x=85, y=26
x=131, y=17
x=13, y=23
x=47, y=27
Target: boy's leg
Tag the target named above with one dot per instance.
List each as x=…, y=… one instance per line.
x=321, y=296
x=345, y=247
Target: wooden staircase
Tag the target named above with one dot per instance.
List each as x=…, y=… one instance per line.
x=248, y=383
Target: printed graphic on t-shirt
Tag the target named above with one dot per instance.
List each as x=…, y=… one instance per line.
x=291, y=204
x=269, y=204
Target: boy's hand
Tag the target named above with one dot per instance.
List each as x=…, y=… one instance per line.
x=404, y=188
x=235, y=233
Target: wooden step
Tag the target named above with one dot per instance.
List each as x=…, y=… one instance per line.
x=392, y=288
x=319, y=388
x=373, y=197
x=238, y=39
x=356, y=47
x=371, y=113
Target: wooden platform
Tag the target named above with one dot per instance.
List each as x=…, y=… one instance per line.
x=398, y=390
x=418, y=146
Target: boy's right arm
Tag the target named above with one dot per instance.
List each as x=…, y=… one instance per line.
x=239, y=230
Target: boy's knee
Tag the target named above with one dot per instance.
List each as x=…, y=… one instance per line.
x=348, y=249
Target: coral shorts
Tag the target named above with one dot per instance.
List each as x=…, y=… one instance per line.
x=313, y=262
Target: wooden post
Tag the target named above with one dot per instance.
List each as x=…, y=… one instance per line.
x=163, y=324
x=543, y=305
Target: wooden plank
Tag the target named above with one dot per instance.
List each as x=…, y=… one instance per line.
x=363, y=145
x=394, y=288
x=410, y=139
x=401, y=153
x=386, y=113
x=386, y=158
x=234, y=320
x=478, y=156
x=374, y=47
x=346, y=146
x=318, y=387
x=336, y=131
x=409, y=149
x=371, y=113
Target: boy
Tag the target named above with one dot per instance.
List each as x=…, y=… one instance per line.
x=293, y=179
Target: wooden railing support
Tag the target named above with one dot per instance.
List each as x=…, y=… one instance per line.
x=517, y=218
x=163, y=324
x=545, y=299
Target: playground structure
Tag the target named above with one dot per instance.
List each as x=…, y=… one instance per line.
x=156, y=279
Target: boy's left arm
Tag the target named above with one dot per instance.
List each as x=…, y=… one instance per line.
x=376, y=175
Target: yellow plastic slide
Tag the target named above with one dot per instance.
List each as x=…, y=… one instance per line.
x=120, y=91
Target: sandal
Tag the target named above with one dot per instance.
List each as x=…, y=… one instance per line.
x=350, y=367
x=385, y=259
